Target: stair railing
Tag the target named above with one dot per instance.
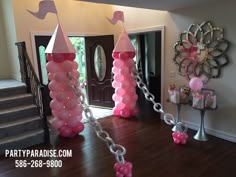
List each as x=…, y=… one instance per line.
x=33, y=85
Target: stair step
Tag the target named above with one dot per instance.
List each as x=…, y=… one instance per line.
x=12, y=114
x=11, y=91
x=21, y=141
x=16, y=100
x=20, y=126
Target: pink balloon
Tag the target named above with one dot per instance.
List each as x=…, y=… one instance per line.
x=60, y=76
x=116, y=111
x=70, y=94
x=125, y=84
x=56, y=57
x=125, y=99
x=54, y=113
x=72, y=122
x=53, y=67
x=115, y=55
x=117, y=166
x=76, y=112
x=55, y=105
x=75, y=73
x=124, y=71
x=50, y=76
x=78, y=128
x=196, y=84
x=133, y=83
x=118, y=63
x=130, y=63
x=115, y=97
x=125, y=113
x=75, y=65
x=115, y=70
x=131, y=105
x=64, y=114
x=120, y=91
x=120, y=106
x=55, y=86
x=65, y=86
x=126, y=55
x=119, y=78
x=52, y=94
x=69, y=56
x=115, y=84
x=71, y=104
x=66, y=132
x=61, y=96
x=67, y=66
x=176, y=140
x=57, y=123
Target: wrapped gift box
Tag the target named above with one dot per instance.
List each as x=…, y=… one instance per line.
x=206, y=99
x=174, y=96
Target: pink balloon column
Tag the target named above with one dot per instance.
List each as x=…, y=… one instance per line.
x=65, y=109
x=125, y=96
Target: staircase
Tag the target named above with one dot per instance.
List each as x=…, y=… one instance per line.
x=20, y=122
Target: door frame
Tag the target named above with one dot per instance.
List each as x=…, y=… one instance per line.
x=154, y=29
x=46, y=33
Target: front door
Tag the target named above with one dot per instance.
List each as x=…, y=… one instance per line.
x=99, y=64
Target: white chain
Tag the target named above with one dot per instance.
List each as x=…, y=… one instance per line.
x=118, y=150
x=168, y=118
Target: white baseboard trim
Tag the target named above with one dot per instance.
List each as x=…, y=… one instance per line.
x=217, y=133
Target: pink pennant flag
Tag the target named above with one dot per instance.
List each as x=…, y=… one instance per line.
x=117, y=15
x=45, y=6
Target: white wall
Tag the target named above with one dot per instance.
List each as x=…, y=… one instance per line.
x=9, y=56
x=221, y=122
x=5, y=71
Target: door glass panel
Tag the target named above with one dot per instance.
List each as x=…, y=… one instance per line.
x=100, y=62
x=43, y=62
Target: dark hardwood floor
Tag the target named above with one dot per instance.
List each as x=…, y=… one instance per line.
x=149, y=147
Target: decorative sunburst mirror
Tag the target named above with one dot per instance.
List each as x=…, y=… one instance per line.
x=201, y=51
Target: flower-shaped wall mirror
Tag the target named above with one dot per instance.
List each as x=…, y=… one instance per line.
x=201, y=51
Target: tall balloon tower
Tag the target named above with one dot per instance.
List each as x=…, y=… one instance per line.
x=124, y=83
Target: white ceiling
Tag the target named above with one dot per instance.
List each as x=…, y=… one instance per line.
x=167, y=5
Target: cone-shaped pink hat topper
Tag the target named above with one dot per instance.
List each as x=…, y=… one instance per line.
x=124, y=44
x=59, y=42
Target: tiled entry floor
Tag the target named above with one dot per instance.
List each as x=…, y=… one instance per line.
x=98, y=113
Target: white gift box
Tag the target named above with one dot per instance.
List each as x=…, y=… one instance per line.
x=174, y=96
x=206, y=99
x=198, y=101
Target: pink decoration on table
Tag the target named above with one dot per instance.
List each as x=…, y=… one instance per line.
x=45, y=7
x=123, y=170
x=179, y=137
x=65, y=109
x=196, y=84
x=125, y=96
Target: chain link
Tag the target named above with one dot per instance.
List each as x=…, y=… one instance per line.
x=118, y=150
x=168, y=118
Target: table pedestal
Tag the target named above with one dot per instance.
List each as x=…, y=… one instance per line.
x=178, y=107
x=201, y=134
